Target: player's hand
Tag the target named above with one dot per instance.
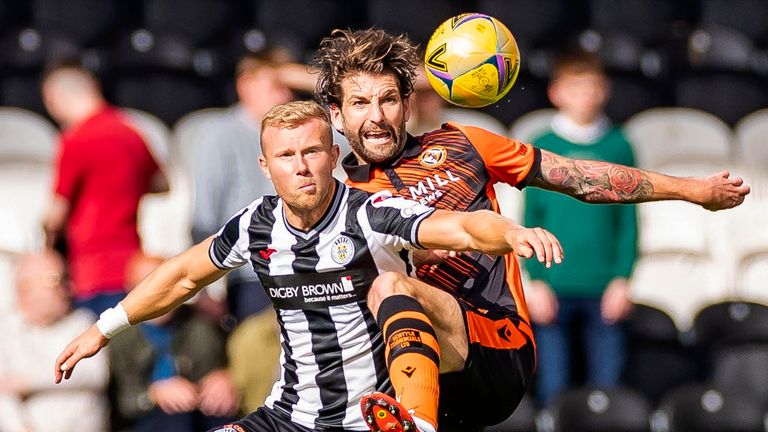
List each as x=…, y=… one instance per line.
x=616, y=302
x=527, y=242
x=174, y=395
x=86, y=345
x=542, y=302
x=218, y=397
x=722, y=192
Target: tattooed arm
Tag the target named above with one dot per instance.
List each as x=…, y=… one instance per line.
x=605, y=182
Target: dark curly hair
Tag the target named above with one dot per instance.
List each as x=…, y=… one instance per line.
x=370, y=51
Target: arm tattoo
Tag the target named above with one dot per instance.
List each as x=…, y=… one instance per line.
x=593, y=181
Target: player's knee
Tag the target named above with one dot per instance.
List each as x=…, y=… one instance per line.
x=385, y=285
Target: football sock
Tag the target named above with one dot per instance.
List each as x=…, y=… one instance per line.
x=413, y=355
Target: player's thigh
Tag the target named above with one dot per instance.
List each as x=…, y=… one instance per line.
x=262, y=420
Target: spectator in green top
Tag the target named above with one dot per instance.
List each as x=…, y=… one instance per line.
x=577, y=308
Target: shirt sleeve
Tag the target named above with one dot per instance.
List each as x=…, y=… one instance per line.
x=507, y=160
x=395, y=221
x=229, y=248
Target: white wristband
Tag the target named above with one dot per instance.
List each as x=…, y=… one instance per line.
x=113, y=321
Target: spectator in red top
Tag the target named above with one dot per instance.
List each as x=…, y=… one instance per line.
x=103, y=169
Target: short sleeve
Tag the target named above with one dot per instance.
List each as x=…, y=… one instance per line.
x=395, y=221
x=229, y=248
x=507, y=160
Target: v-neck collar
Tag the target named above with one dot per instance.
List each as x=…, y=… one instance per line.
x=325, y=220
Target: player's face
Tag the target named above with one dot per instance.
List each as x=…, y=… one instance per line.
x=372, y=116
x=300, y=161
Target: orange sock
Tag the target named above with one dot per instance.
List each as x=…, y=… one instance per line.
x=413, y=355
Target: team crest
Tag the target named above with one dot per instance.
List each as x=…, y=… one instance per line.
x=230, y=428
x=432, y=157
x=342, y=250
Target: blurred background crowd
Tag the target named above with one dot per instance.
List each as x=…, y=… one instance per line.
x=129, y=130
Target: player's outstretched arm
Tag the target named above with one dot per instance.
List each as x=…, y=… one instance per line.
x=487, y=232
x=170, y=285
x=605, y=182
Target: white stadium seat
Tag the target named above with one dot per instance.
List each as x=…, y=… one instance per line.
x=678, y=284
x=25, y=136
x=473, y=118
x=155, y=133
x=24, y=192
x=187, y=131
x=532, y=124
x=668, y=135
x=751, y=133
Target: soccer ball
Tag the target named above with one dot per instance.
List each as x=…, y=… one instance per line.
x=472, y=60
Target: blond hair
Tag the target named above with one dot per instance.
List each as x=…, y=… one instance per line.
x=370, y=51
x=293, y=114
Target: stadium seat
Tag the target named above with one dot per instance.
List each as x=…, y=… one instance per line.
x=187, y=131
x=417, y=18
x=168, y=96
x=702, y=408
x=7, y=293
x=596, y=410
x=728, y=96
x=525, y=96
x=657, y=360
x=731, y=322
x=473, y=118
x=84, y=21
x=155, y=133
x=748, y=16
x=742, y=369
x=631, y=94
x=647, y=20
x=26, y=136
x=751, y=131
x=22, y=90
x=165, y=220
x=720, y=49
x=679, y=284
x=672, y=227
x=293, y=25
x=753, y=272
x=665, y=135
x=27, y=186
x=522, y=420
x=529, y=126
x=193, y=20
x=533, y=22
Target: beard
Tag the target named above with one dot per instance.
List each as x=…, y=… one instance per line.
x=376, y=155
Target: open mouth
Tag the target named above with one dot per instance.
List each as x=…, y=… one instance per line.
x=377, y=137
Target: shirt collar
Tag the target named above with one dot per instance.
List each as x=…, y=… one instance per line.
x=361, y=173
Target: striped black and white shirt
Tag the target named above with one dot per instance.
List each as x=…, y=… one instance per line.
x=332, y=349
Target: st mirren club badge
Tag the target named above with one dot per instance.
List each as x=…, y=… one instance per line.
x=342, y=250
x=432, y=157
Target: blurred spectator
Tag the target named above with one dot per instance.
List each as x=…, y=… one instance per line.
x=227, y=178
x=29, y=344
x=588, y=295
x=103, y=169
x=170, y=372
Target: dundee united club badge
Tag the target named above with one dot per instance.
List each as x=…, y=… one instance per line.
x=432, y=157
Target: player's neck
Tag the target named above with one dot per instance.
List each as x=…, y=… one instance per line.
x=304, y=219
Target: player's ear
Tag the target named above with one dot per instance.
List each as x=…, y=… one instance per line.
x=407, y=107
x=335, y=151
x=264, y=167
x=336, y=118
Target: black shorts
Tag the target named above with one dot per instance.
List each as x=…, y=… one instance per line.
x=262, y=420
x=498, y=371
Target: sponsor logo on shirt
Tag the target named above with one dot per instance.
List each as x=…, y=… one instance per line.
x=428, y=189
